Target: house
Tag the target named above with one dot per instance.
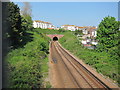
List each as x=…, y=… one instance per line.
x=94, y=43
x=57, y=28
x=42, y=24
x=81, y=28
x=85, y=31
x=90, y=31
x=84, y=42
x=88, y=39
x=69, y=27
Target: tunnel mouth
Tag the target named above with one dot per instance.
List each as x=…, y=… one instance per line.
x=55, y=39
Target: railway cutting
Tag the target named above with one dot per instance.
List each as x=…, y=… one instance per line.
x=68, y=72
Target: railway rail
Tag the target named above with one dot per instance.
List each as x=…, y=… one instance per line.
x=71, y=72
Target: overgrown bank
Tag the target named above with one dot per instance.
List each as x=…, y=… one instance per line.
x=101, y=61
x=28, y=66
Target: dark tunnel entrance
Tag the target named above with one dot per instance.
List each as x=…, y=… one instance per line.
x=55, y=39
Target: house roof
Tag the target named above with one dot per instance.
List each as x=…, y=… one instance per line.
x=42, y=21
x=68, y=25
x=81, y=27
x=91, y=28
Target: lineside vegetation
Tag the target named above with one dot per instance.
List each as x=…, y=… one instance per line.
x=26, y=50
x=103, y=62
x=28, y=66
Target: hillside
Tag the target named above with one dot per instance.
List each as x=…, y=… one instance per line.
x=102, y=62
x=32, y=60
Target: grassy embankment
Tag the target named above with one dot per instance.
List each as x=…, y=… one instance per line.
x=101, y=61
x=28, y=66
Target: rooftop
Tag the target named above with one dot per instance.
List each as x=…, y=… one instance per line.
x=68, y=25
x=42, y=21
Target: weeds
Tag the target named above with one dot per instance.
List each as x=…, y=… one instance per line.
x=27, y=66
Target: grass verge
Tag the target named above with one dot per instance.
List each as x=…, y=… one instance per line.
x=101, y=61
x=28, y=66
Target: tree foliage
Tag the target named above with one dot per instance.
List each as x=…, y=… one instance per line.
x=61, y=30
x=108, y=37
x=26, y=9
x=78, y=32
x=14, y=20
x=27, y=14
x=107, y=33
x=15, y=26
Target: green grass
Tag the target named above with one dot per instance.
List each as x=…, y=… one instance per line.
x=101, y=61
x=28, y=66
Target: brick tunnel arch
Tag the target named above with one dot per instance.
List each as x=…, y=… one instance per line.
x=55, y=38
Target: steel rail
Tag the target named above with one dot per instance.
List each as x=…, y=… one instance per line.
x=75, y=68
x=74, y=80
x=91, y=74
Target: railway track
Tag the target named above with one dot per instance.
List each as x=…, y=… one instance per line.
x=77, y=75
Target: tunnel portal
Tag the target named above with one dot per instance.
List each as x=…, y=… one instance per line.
x=55, y=39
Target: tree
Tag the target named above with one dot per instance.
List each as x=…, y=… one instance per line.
x=26, y=9
x=107, y=34
x=78, y=32
x=27, y=14
x=26, y=36
x=119, y=39
x=11, y=34
x=61, y=30
x=14, y=20
x=15, y=26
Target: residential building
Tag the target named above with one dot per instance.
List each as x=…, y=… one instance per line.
x=88, y=38
x=85, y=31
x=42, y=24
x=57, y=28
x=81, y=28
x=94, y=42
x=90, y=31
x=70, y=27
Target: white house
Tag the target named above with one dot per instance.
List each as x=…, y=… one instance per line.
x=42, y=24
x=84, y=42
x=69, y=27
x=94, y=43
x=85, y=31
x=90, y=31
x=94, y=33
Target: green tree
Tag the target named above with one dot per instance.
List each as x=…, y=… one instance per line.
x=27, y=14
x=11, y=33
x=107, y=34
x=78, y=32
x=14, y=20
x=25, y=34
x=61, y=30
x=15, y=26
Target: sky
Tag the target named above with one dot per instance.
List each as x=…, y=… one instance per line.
x=72, y=13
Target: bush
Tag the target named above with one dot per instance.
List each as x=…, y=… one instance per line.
x=103, y=62
x=27, y=66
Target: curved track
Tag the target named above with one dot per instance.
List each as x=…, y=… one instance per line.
x=71, y=73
